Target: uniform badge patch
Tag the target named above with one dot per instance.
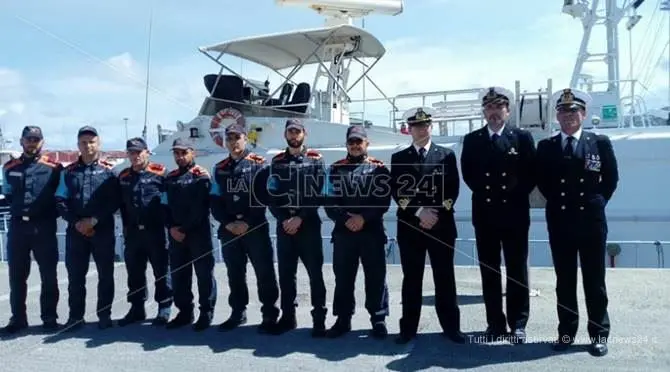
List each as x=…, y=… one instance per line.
x=403, y=203
x=448, y=204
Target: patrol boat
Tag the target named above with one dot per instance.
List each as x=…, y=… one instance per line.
x=637, y=212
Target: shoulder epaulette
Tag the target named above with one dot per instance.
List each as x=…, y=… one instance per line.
x=199, y=171
x=124, y=173
x=48, y=161
x=255, y=158
x=156, y=168
x=11, y=164
x=313, y=154
x=341, y=162
x=279, y=156
x=106, y=164
x=223, y=163
x=375, y=161
x=174, y=172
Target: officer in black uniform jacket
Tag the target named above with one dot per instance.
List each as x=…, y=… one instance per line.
x=497, y=162
x=425, y=185
x=358, y=196
x=577, y=174
x=29, y=186
x=244, y=230
x=295, y=181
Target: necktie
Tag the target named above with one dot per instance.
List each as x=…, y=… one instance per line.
x=422, y=154
x=568, y=151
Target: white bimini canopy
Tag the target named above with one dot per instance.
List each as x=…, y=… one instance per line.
x=290, y=49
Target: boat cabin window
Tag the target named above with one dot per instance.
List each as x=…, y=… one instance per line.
x=230, y=91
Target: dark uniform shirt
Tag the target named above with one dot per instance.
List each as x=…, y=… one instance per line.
x=187, y=196
x=358, y=187
x=29, y=187
x=295, y=185
x=236, y=194
x=141, y=195
x=88, y=190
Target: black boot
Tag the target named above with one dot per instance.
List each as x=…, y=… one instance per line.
x=235, y=320
x=183, y=318
x=342, y=326
x=379, y=329
x=135, y=314
x=162, y=317
x=204, y=321
x=286, y=323
x=319, y=328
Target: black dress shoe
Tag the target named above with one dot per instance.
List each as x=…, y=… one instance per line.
x=598, y=349
x=518, y=336
x=50, y=325
x=15, y=326
x=563, y=343
x=403, y=339
x=494, y=334
x=455, y=336
x=73, y=325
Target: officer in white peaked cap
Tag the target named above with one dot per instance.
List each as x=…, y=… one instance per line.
x=498, y=165
x=577, y=173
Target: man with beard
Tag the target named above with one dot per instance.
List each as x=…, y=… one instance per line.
x=357, y=198
x=578, y=174
x=498, y=166
x=244, y=230
x=87, y=198
x=29, y=186
x=142, y=214
x=187, y=197
x=295, y=181
x=425, y=185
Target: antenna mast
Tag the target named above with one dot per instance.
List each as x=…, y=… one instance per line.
x=605, y=13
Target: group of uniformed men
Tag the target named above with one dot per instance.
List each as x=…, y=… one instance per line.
x=575, y=170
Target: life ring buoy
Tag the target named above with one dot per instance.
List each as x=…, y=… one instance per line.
x=222, y=119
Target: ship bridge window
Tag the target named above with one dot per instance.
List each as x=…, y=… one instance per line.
x=194, y=133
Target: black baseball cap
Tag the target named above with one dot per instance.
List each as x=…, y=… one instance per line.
x=357, y=131
x=87, y=130
x=136, y=144
x=294, y=124
x=181, y=144
x=32, y=131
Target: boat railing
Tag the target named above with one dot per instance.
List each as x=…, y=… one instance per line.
x=465, y=252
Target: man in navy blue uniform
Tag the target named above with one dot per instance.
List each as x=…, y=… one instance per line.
x=142, y=214
x=578, y=174
x=29, y=186
x=244, y=230
x=357, y=197
x=190, y=242
x=295, y=183
x=425, y=185
x=497, y=162
x=87, y=197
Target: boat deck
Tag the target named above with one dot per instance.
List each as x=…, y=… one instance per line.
x=638, y=309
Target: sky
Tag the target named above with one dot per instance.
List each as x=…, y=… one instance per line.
x=69, y=63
